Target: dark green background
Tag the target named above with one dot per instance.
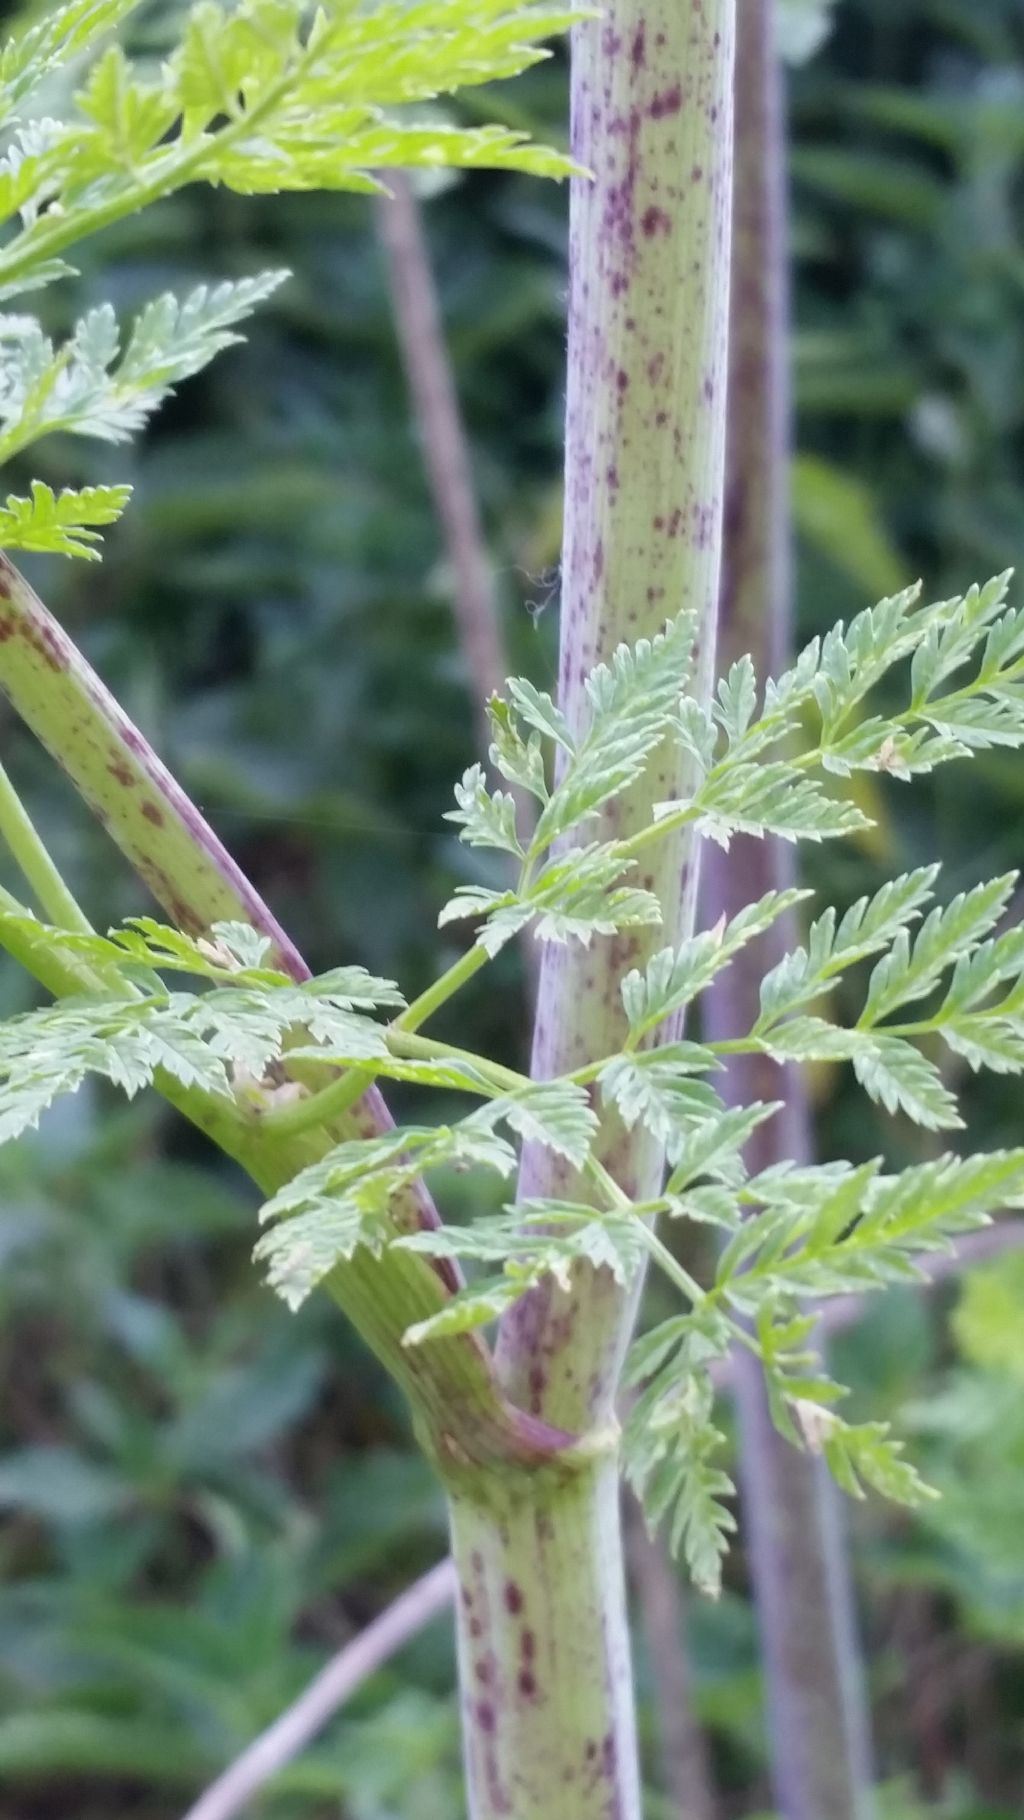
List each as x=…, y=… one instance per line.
x=200, y=1496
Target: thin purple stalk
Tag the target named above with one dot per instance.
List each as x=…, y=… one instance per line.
x=447, y=461
x=818, y=1721
x=443, y=441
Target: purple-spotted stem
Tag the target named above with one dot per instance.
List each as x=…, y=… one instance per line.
x=648, y=335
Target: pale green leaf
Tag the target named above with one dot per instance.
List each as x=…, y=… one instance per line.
x=573, y=897
x=519, y=758
x=485, y=818
x=633, y=702
x=467, y=1310
x=865, y=1454
x=834, y=944
x=33, y=52
x=656, y=1088
x=301, y=1252
x=714, y=1148
x=261, y=96
x=912, y=969
x=673, y=977
x=736, y=699
x=555, y=1114
x=768, y=798
x=64, y=523
x=106, y=384
x=539, y=1239
x=537, y=709
x=670, y=1444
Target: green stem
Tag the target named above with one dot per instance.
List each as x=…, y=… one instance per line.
x=458, y=975
x=320, y=1108
x=35, y=864
x=458, y=1408
x=161, y=833
x=317, y=1110
x=671, y=1267
x=422, y=1048
x=929, y=1026
x=59, y=973
x=659, y=1251
x=544, y=1646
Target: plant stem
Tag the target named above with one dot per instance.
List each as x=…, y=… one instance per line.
x=318, y=1110
x=161, y=833
x=817, y=1718
x=35, y=864
x=423, y=1048
x=648, y=331
x=457, y=975
x=321, y=1108
x=544, y=1647
x=648, y=321
x=459, y=1412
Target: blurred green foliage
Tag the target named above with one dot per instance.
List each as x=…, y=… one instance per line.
x=200, y=1496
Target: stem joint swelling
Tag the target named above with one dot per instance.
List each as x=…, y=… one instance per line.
x=558, y=1460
